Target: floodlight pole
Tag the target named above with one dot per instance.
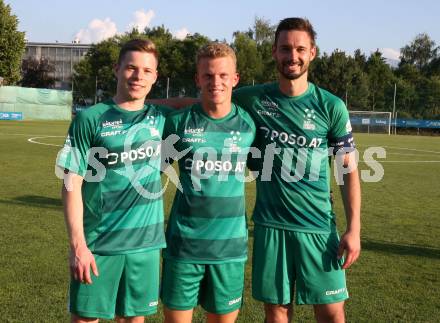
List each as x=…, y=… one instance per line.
x=394, y=108
x=96, y=88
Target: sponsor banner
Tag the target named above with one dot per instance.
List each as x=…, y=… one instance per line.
x=410, y=123
x=11, y=116
x=400, y=123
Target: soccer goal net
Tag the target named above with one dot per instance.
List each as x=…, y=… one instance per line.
x=370, y=121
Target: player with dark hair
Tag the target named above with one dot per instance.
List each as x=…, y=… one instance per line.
x=296, y=244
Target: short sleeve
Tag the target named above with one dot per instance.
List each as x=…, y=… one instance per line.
x=75, y=152
x=340, y=133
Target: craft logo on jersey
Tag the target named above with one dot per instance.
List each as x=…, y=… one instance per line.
x=233, y=141
x=309, y=116
x=151, y=122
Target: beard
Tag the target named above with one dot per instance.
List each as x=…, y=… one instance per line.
x=282, y=68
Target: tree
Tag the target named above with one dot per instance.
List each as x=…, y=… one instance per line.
x=406, y=97
x=433, y=69
x=419, y=52
x=341, y=75
x=360, y=59
x=249, y=63
x=176, y=62
x=37, y=73
x=12, y=45
x=95, y=71
x=263, y=31
x=254, y=49
x=380, y=79
x=428, y=105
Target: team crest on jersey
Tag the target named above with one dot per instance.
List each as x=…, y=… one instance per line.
x=154, y=132
x=151, y=120
x=233, y=141
x=309, y=117
x=151, y=123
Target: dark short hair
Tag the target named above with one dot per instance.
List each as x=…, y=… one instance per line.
x=138, y=45
x=301, y=24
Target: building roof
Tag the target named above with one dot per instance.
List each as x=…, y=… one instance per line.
x=59, y=45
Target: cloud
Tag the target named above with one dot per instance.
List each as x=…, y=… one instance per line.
x=141, y=19
x=390, y=53
x=96, y=31
x=181, y=33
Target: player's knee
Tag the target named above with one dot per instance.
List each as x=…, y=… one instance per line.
x=277, y=313
x=330, y=313
x=78, y=319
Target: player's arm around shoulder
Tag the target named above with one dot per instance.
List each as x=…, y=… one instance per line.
x=80, y=257
x=174, y=103
x=245, y=96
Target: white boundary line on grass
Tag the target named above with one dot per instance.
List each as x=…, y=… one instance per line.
x=413, y=149
x=399, y=161
x=403, y=154
x=19, y=134
x=32, y=140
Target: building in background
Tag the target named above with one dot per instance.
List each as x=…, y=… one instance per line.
x=64, y=56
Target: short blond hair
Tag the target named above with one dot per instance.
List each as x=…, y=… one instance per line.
x=216, y=50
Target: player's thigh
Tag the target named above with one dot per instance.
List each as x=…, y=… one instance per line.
x=98, y=299
x=222, y=287
x=320, y=277
x=181, y=284
x=138, y=292
x=273, y=273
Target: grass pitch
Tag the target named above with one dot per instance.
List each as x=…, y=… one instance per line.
x=397, y=278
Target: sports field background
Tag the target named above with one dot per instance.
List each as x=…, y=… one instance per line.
x=397, y=278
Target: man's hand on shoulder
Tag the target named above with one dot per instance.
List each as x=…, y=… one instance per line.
x=81, y=260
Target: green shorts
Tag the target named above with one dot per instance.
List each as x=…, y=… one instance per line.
x=283, y=259
x=127, y=285
x=218, y=288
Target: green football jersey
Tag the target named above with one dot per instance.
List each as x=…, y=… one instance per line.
x=208, y=222
x=118, y=154
x=294, y=135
